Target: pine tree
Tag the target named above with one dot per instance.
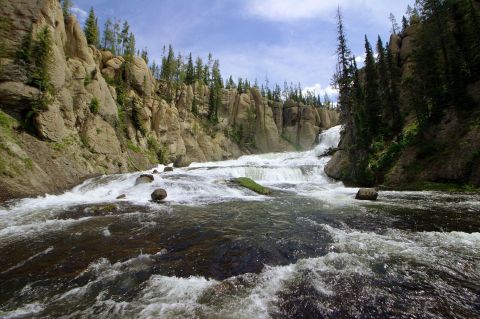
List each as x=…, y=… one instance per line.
x=190, y=73
x=66, y=8
x=372, y=99
x=91, y=29
x=342, y=78
x=124, y=36
x=117, y=37
x=144, y=55
x=198, y=69
x=109, y=36
x=130, y=46
x=24, y=52
x=405, y=24
x=240, y=88
x=394, y=23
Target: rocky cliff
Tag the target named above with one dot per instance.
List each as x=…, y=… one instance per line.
x=442, y=153
x=106, y=115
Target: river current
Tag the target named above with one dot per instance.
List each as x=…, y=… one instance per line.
x=216, y=250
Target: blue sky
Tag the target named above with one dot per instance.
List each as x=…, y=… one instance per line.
x=292, y=40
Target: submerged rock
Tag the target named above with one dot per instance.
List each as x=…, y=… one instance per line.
x=123, y=196
x=155, y=172
x=168, y=169
x=144, y=179
x=367, y=194
x=159, y=195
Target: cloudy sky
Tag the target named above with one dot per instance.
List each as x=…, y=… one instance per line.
x=292, y=40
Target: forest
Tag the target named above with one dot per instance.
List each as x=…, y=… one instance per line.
x=388, y=105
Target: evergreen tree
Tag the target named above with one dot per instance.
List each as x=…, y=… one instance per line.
x=240, y=87
x=124, y=37
x=144, y=55
x=24, y=52
x=190, y=73
x=91, y=29
x=117, y=37
x=130, y=46
x=66, y=8
x=109, y=36
x=394, y=23
x=404, y=24
x=41, y=56
x=343, y=76
x=372, y=99
x=199, y=69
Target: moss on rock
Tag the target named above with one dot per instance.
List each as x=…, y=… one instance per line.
x=252, y=185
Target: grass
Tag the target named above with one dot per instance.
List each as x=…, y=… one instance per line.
x=134, y=148
x=252, y=185
x=94, y=105
x=28, y=163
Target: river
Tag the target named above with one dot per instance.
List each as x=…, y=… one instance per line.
x=215, y=250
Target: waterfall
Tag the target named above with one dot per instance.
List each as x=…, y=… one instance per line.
x=298, y=172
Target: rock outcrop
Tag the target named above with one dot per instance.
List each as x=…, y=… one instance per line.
x=87, y=128
x=446, y=152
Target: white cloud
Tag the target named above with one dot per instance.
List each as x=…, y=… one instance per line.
x=296, y=10
x=319, y=89
x=289, y=10
x=80, y=14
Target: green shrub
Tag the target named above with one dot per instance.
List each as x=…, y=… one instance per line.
x=160, y=152
x=94, y=105
x=134, y=148
x=384, y=156
x=6, y=121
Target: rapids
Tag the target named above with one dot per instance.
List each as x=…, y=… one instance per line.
x=215, y=250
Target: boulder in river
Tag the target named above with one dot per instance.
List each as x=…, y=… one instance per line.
x=168, y=169
x=123, y=196
x=155, y=172
x=367, y=194
x=159, y=195
x=144, y=179
x=252, y=185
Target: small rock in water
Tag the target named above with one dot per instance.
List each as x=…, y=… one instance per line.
x=367, y=194
x=159, y=195
x=168, y=169
x=144, y=179
x=155, y=172
x=123, y=196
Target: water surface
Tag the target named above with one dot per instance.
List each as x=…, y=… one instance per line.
x=214, y=250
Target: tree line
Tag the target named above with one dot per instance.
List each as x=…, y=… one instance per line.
x=446, y=59
x=177, y=70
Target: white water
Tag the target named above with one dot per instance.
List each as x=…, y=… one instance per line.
x=404, y=257
x=201, y=183
x=352, y=254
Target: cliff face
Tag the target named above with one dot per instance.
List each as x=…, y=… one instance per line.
x=83, y=131
x=446, y=151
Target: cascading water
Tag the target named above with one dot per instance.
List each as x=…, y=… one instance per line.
x=215, y=250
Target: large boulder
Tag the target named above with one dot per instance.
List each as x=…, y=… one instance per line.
x=76, y=46
x=159, y=195
x=101, y=137
x=367, y=194
x=50, y=124
x=406, y=49
x=140, y=76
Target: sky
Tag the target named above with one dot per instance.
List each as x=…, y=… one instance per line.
x=282, y=40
